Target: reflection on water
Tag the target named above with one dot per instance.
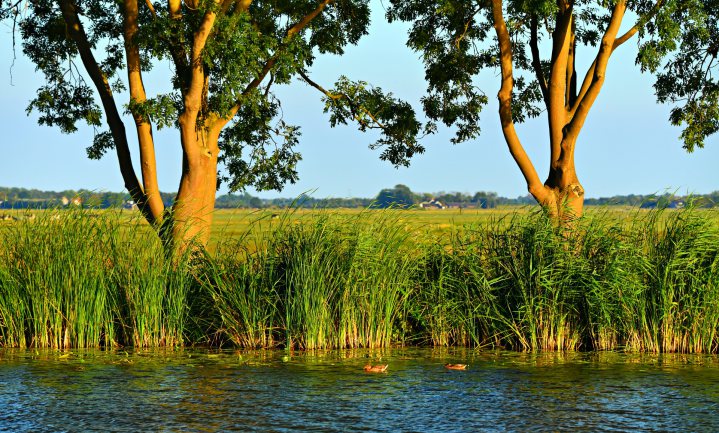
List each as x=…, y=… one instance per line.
x=328, y=391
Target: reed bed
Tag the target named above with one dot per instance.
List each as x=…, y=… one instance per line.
x=76, y=279
x=648, y=282
x=324, y=281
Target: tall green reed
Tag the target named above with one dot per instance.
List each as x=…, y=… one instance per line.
x=82, y=279
x=325, y=281
x=646, y=282
x=57, y=274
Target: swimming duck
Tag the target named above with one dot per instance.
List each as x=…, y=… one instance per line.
x=375, y=368
x=456, y=366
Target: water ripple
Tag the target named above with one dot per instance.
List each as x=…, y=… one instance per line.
x=328, y=392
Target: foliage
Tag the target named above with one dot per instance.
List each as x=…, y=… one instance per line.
x=678, y=43
x=400, y=196
x=72, y=279
x=327, y=282
x=251, y=48
x=21, y=198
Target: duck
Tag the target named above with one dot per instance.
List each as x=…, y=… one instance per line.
x=456, y=366
x=375, y=368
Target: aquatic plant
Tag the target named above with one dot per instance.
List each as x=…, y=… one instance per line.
x=69, y=281
x=329, y=281
x=648, y=282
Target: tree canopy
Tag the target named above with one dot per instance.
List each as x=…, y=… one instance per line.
x=678, y=42
x=228, y=57
x=535, y=45
x=400, y=197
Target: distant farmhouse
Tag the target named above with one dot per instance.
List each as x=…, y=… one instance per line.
x=432, y=204
x=129, y=205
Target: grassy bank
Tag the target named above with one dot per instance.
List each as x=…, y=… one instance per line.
x=637, y=281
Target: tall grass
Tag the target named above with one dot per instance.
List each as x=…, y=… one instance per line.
x=648, y=282
x=76, y=279
x=327, y=281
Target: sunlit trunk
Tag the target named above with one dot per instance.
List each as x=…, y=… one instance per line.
x=191, y=215
x=564, y=196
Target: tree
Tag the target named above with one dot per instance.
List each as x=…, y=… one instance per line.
x=399, y=196
x=226, y=56
x=678, y=42
x=485, y=200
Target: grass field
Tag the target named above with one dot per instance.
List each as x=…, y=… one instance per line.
x=249, y=225
x=253, y=224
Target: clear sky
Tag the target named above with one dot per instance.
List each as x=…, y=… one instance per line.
x=627, y=145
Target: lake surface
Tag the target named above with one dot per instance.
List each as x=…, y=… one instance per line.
x=82, y=391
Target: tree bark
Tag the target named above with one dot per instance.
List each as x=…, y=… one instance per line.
x=192, y=211
x=153, y=205
x=563, y=194
x=76, y=31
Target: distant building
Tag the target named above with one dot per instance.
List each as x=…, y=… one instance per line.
x=676, y=204
x=432, y=204
x=129, y=205
x=65, y=201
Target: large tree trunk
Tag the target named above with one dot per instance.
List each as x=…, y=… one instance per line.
x=194, y=204
x=192, y=211
x=562, y=195
x=567, y=104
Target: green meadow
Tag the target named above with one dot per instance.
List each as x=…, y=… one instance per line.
x=623, y=279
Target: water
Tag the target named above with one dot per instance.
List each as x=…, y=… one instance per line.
x=84, y=391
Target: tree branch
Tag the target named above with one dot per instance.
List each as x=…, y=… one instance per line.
x=143, y=126
x=151, y=8
x=175, y=8
x=599, y=69
x=535, y=186
x=114, y=121
x=355, y=108
x=270, y=63
x=11, y=6
x=617, y=42
x=197, y=69
x=571, y=93
x=536, y=61
x=302, y=23
x=176, y=48
x=557, y=110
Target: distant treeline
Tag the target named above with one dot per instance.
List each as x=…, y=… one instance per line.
x=22, y=198
x=398, y=196
x=402, y=196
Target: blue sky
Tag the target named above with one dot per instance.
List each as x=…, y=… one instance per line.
x=627, y=145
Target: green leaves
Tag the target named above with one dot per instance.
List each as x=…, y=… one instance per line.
x=248, y=49
x=701, y=117
x=66, y=98
x=257, y=149
x=371, y=108
x=453, y=37
x=678, y=42
x=64, y=104
x=161, y=110
x=101, y=143
x=681, y=46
